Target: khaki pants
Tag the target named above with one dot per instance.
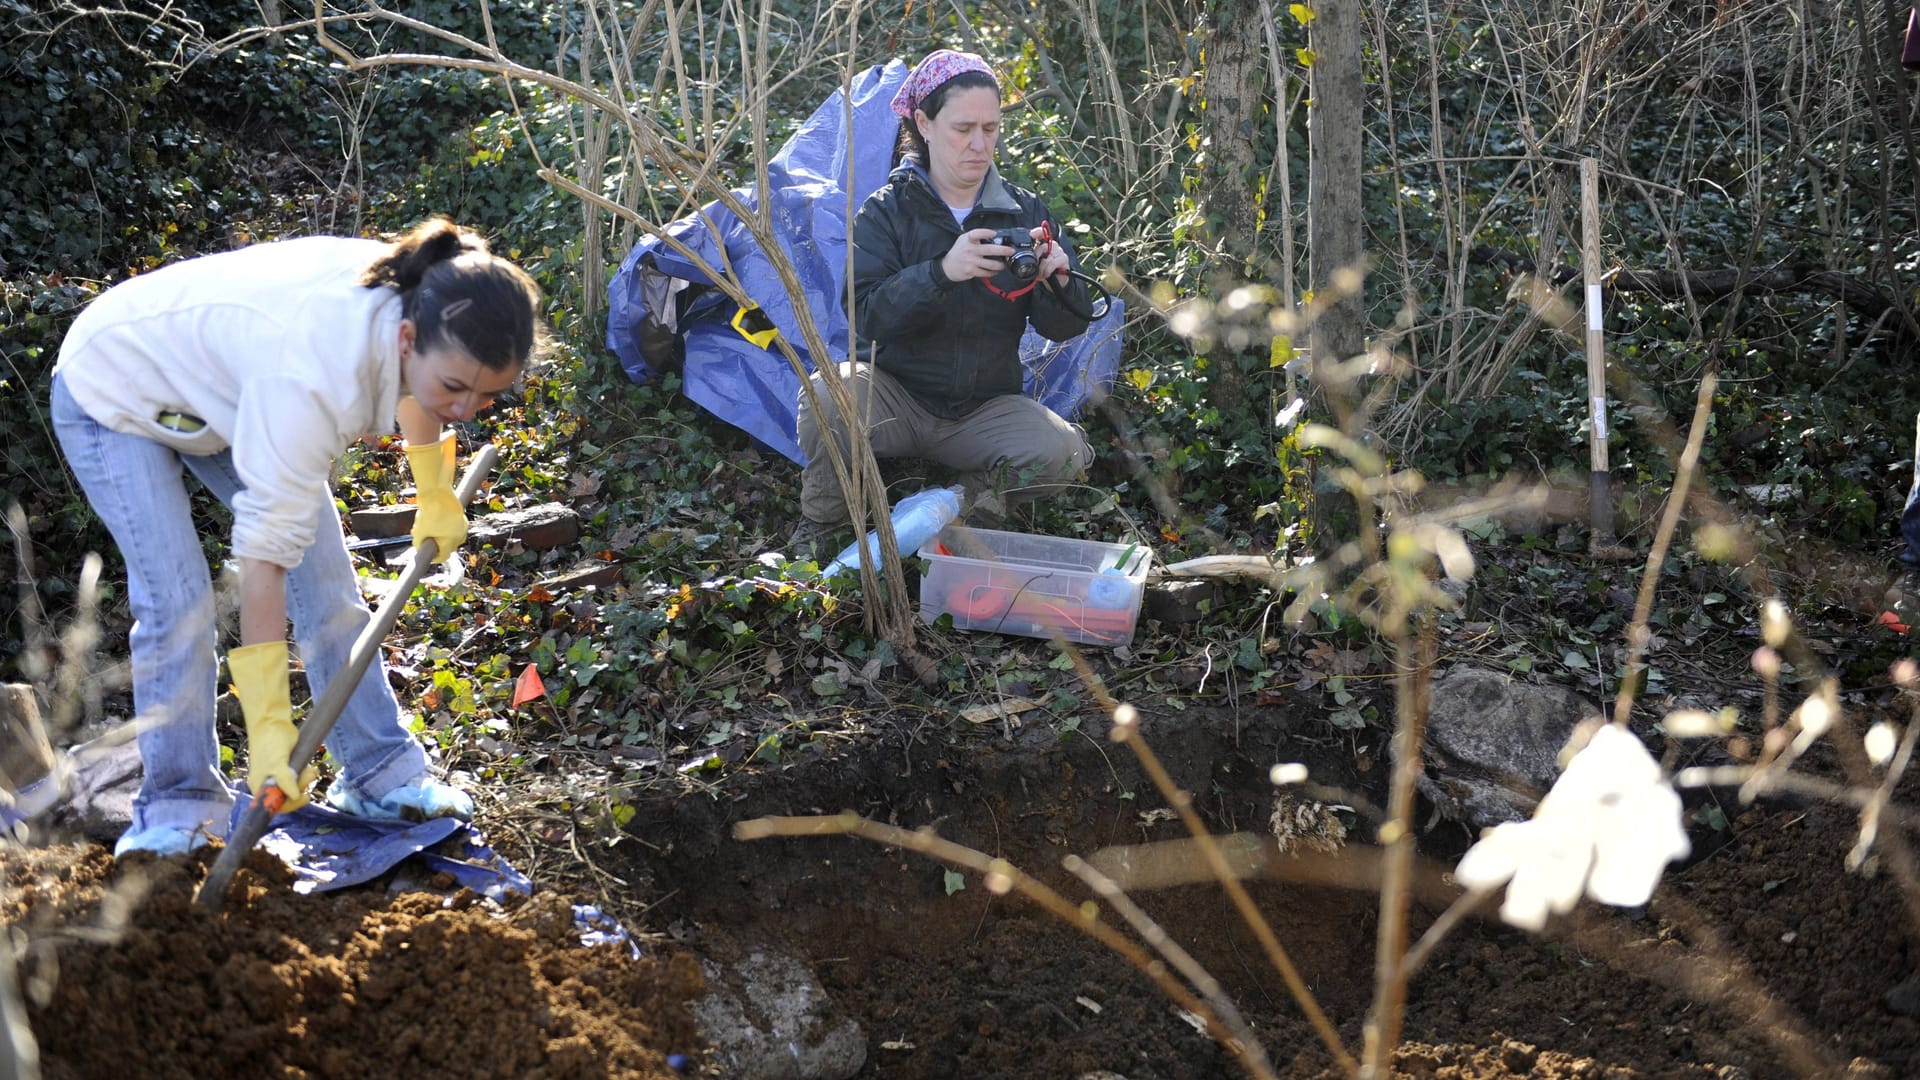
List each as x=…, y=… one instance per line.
x=1012, y=446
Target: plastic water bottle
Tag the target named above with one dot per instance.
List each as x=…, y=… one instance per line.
x=916, y=519
x=1109, y=589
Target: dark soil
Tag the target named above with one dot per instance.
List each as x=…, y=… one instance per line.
x=1764, y=957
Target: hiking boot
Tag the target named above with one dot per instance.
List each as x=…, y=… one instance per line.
x=1900, y=608
x=987, y=511
x=809, y=542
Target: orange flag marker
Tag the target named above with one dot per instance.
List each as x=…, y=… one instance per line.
x=528, y=686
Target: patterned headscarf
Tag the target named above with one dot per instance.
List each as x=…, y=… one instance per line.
x=932, y=73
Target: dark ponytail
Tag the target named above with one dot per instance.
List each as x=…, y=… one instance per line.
x=910, y=143
x=455, y=290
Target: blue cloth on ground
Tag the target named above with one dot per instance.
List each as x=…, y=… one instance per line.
x=599, y=928
x=327, y=849
x=662, y=312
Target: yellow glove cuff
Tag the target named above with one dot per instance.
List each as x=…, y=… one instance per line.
x=432, y=463
x=261, y=682
x=437, y=513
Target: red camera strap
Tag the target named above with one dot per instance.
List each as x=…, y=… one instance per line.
x=1004, y=294
x=1046, y=238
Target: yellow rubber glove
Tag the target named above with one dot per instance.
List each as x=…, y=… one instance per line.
x=437, y=512
x=260, y=682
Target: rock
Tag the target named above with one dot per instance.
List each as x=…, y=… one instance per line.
x=766, y=1016
x=104, y=776
x=1904, y=1000
x=1493, y=745
x=1178, y=601
x=596, y=574
x=548, y=525
x=1772, y=494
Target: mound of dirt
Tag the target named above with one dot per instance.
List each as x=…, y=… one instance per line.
x=125, y=976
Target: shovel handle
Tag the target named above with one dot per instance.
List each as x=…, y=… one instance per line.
x=319, y=719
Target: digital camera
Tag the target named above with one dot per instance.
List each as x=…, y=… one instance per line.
x=1023, y=264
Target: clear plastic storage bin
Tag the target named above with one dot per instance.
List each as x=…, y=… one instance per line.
x=1036, y=586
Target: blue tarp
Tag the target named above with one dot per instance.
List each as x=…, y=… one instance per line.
x=661, y=305
x=328, y=850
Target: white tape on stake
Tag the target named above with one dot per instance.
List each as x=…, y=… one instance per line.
x=1593, y=307
x=1599, y=407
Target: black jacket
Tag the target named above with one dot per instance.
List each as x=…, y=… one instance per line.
x=953, y=345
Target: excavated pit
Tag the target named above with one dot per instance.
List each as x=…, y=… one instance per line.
x=1763, y=955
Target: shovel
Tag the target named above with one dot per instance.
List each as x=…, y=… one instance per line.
x=319, y=719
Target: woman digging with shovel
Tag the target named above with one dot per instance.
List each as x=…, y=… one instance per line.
x=254, y=369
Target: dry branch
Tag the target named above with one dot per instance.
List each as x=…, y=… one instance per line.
x=1861, y=295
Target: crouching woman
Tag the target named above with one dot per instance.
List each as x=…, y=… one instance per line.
x=940, y=307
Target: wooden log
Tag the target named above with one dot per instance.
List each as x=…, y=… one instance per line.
x=26, y=756
x=548, y=525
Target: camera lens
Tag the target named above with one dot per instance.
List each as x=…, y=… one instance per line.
x=1022, y=265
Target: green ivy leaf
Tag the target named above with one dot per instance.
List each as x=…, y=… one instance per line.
x=768, y=750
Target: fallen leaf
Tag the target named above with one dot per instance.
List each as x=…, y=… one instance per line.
x=982, y=714
x=584, y=484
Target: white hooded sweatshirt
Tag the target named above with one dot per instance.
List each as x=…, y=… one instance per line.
x=272, y=350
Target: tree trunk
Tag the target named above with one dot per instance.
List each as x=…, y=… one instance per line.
x=1334, y=235
x=1234, y=78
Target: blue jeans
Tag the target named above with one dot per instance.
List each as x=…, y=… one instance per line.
x=137, y=487
x=1910, y=516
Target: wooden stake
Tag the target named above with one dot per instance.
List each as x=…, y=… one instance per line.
x=1599, y=480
